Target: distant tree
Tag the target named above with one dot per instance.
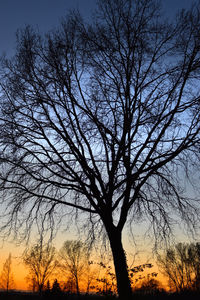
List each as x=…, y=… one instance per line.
x=41, y=263
x=56, y=289
x=103, y=119
x=150, y=286
x=69, y=285
x=194, y=257
x=6, y=279
x=90, y=276
x=48, y=288
x=32, y=284
x=74, y=259
x=181, y=264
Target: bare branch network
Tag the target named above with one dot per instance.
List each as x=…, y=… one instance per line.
x=102, y=118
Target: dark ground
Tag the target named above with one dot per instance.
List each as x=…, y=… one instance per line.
x=61, y=296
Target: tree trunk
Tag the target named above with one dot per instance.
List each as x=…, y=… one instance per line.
x=77, y=285
x=119, y=258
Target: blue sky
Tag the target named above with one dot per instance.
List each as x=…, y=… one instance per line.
x=46, y=14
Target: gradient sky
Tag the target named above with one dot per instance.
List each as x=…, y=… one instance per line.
x=46, y=15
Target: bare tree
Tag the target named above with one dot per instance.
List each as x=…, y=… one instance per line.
x=181, y=265
x=41, y=263
x=74, y=260
x=103, y=119
x=6, y=279
x=150, y=286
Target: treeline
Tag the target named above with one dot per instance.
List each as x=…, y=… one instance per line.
x=181, y=266
x=73, y=270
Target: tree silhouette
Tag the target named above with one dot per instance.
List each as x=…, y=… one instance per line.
x=69, y=285
x=181, y=264
x=106, y=280
x=104, y=119
x=41, y=263
x=6, y=279
x=74, y=259
x=56, y=288
x=48, y=288
x=150, y=286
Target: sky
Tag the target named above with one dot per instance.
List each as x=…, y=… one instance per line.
x=45, y=15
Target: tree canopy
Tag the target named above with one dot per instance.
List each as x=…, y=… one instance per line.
x=103, y=118
x=41, y=263
x=7, y=279
x=181, y=265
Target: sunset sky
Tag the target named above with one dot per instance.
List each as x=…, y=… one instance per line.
x=46, y=15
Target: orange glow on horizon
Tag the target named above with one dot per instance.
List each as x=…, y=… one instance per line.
x=20, y=272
